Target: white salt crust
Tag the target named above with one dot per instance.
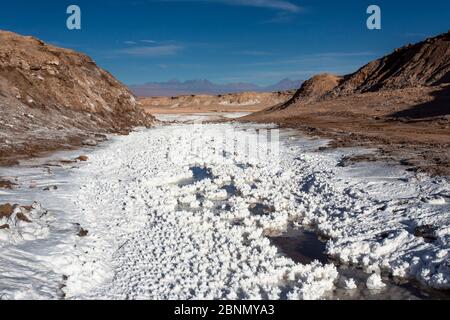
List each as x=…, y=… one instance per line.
x=153, y=238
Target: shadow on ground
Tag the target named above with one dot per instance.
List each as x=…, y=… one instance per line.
x=438, y=107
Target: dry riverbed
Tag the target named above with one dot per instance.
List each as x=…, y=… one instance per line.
x=152, y=216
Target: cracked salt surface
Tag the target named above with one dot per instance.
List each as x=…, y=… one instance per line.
x=184, y=229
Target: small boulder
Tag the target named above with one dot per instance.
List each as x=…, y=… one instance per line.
x=6, y=184
x=22, y=217
x=82, y=232
x=6, y=210
x=427, y=232
x=50, y=188
x=83, y=158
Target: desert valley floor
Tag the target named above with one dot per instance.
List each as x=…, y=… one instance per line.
x=144, y=219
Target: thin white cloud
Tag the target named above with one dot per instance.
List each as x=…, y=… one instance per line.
x=255, y=53
x=154, y=51
x=271, y=4
x=133, y=42
x=279, y=5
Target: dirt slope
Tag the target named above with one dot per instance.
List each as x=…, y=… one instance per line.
x=399, y=103
x=426, y=63
x=50, y=97
x=311, y=90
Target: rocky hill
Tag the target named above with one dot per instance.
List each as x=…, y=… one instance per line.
x=50, y=97
x=425, y=64
x=400, y=102
x=311, y=90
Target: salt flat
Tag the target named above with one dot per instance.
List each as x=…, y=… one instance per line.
x=157, y=230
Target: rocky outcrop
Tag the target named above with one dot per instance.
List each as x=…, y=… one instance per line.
x=55, y=93
x=426, y=63
x=44, y=76
x=318, y=86
x=399, y=104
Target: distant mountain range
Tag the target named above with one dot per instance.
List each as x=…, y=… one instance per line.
x=177, y=88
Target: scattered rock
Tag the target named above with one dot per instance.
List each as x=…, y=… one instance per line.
x=427, y=232
x=260, y=209
x=82, y=232
x=5, y=226
x=68, y=161
x=353, y=159
x=6, y=210
x=27, y=208
x=83, y=158
x=22, y=217
x=5, y=184
x=50, y=188
x=100, y=137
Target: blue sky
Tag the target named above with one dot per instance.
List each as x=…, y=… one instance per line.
x=260, y=41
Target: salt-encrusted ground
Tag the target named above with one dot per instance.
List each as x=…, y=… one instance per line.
x=157, y=232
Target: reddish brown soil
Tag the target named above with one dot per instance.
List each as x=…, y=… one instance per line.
x=407, y=125
x=399, y=104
